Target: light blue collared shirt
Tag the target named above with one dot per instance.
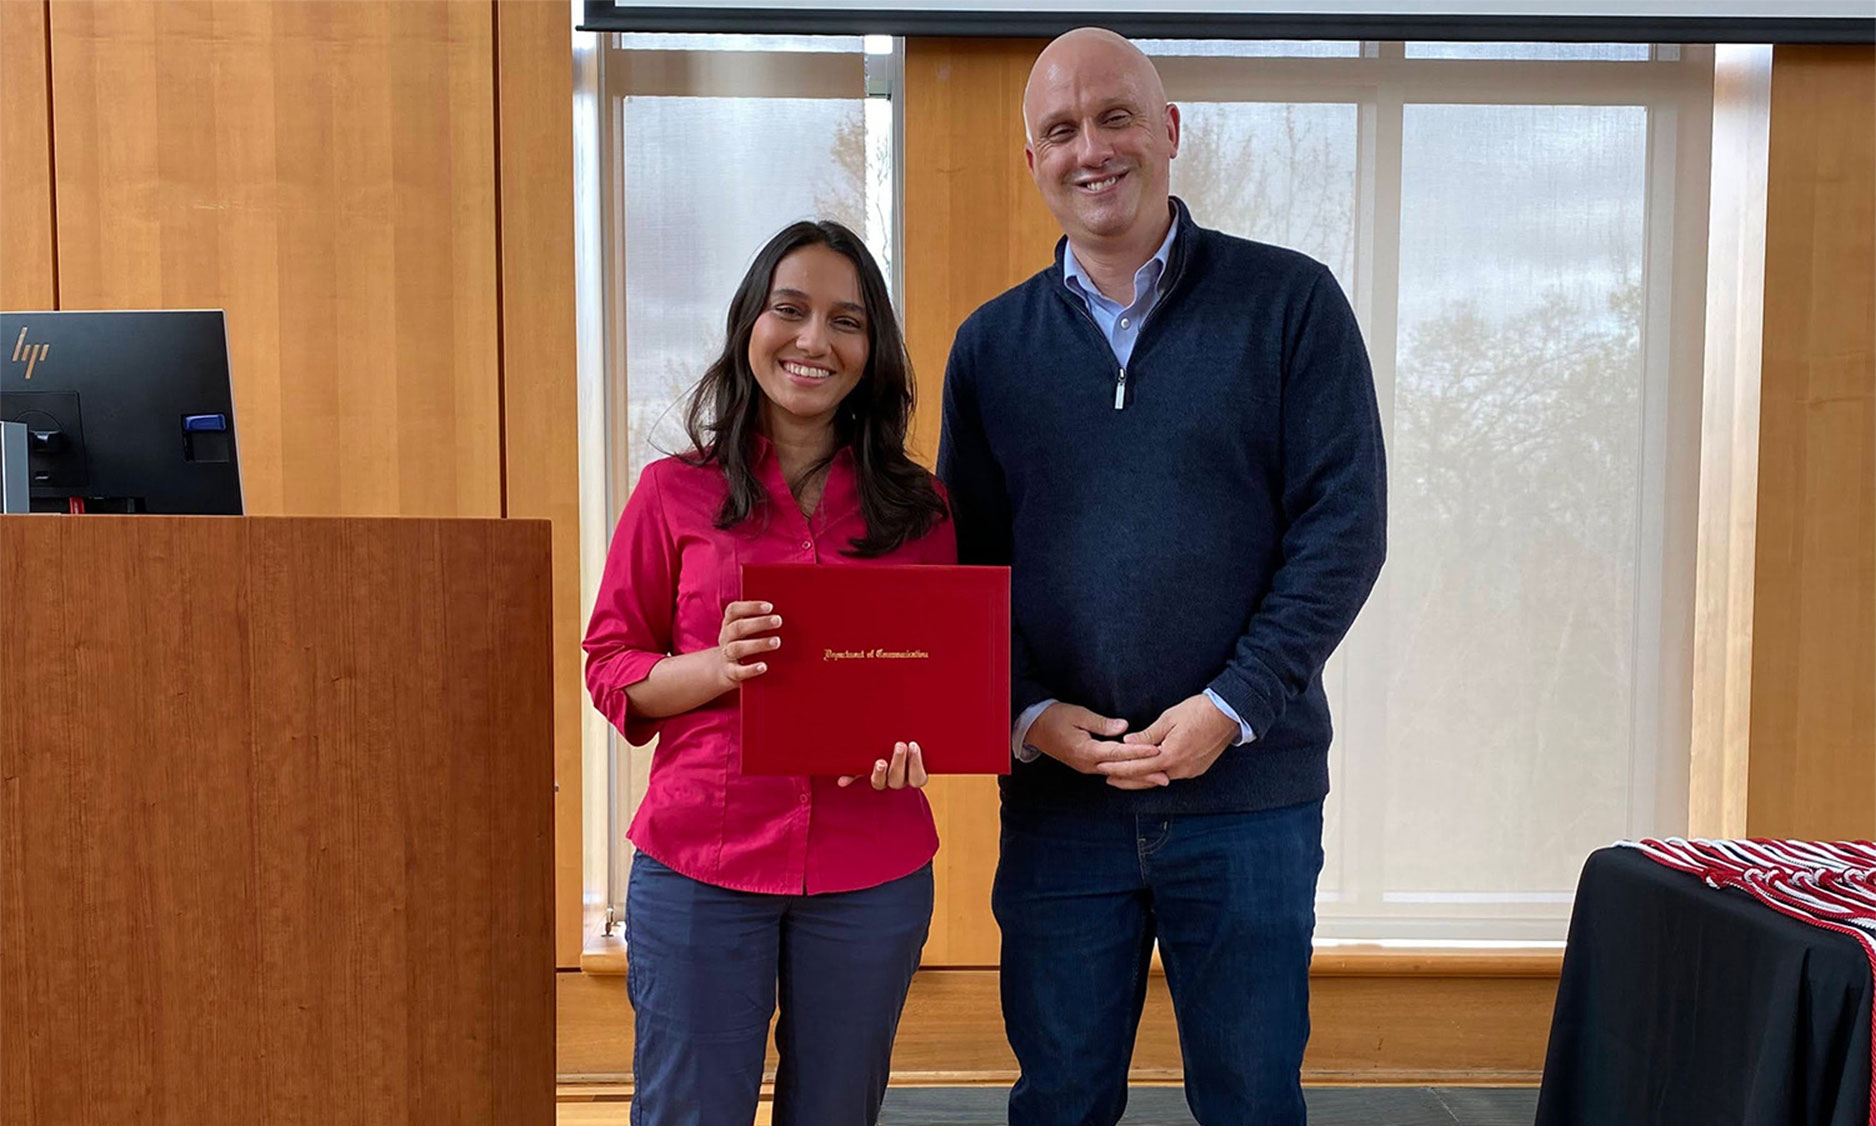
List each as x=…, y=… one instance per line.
x=1121, y=325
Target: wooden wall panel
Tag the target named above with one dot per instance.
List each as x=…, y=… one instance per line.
x=326, y=173
x=974, y=223
x=1813, y=721
x=267, y=849
x=400, y=306
x=540, y=446
x=27, y=279
x=974, y=226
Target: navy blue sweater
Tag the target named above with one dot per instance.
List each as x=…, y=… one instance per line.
x=1219, y=531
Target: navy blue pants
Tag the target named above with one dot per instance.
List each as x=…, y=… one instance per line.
x=706, y=966
x=1230, y=897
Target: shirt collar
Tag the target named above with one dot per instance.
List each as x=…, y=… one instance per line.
x=1147, y=276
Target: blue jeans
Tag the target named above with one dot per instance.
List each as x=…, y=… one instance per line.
x=705, y=966
x=1230, y=897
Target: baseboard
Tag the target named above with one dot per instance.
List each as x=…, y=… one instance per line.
x=1419, y=1018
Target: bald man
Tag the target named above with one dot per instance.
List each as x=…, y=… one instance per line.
x=1170, y=436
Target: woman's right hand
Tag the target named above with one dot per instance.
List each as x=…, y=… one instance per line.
x=741, y=644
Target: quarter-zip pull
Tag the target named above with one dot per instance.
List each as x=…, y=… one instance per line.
x=1120, y=390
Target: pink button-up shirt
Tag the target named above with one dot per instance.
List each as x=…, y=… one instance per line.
x=668, y=577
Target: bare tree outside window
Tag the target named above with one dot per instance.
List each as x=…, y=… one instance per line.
x=1500, y=736
x=859, y=193
x=1514, y=491
x=1275, y=172
x=1516, y=477
x=709, y=180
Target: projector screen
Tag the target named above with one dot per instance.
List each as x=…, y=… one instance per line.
x=1664, y=21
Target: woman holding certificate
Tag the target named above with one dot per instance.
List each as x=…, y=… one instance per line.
x=749, y=889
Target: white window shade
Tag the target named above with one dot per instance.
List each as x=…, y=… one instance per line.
x=1506, y=229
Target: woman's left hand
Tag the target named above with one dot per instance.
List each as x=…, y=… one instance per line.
x=907, y=768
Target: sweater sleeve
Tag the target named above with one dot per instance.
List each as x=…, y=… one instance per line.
x=630, y=630
x=1334, y=504
x=980, y=503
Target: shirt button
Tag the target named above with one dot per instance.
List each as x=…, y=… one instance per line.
x=804, y=797
x=1123, y=322
x=807, y=545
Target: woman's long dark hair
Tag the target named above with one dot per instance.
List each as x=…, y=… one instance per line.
x=724, y=411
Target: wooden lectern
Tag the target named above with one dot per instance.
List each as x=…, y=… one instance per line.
x=276, y=821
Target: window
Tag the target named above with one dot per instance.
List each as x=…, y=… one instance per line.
x=1512, y=696
x=716, y=148
x=1519, y=382
x=711, y=144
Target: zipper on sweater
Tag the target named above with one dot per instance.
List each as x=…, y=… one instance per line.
x=1120, y=377
x=1178, y=269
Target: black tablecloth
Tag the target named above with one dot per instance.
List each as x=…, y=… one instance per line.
x=1685, y=1005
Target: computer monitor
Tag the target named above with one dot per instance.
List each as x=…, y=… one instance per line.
x=124, y=411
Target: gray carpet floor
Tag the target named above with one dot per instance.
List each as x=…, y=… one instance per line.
x=1166, y=1106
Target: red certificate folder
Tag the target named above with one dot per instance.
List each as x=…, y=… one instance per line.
x=873, y=656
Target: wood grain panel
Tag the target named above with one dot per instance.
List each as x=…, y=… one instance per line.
x=974, y=226
x=326, y=173
x=963, y=931
x=1426, y=1018
x=27, y=279
x=1813, y=721
x=540, y=447
x=974, y=222
x=277, y=816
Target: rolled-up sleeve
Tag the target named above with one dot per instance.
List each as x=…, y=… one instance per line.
x=630, y=630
